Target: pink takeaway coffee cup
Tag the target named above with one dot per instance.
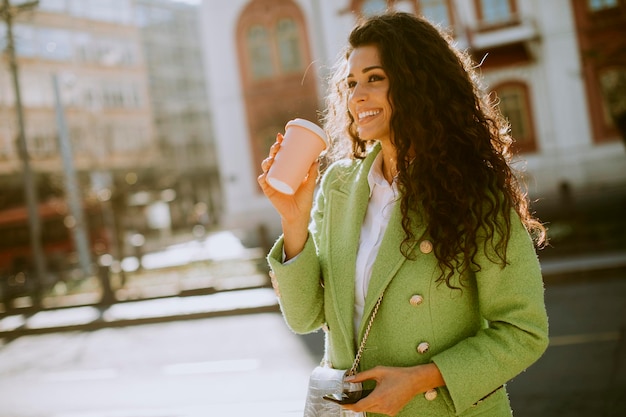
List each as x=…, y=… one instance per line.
x=302, y=144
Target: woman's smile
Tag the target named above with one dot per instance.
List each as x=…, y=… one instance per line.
x=368, y=87
x=365, y=116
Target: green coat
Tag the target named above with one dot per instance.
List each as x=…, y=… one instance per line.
x=479, y=337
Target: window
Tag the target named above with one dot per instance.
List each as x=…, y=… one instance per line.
x=118, y=11
x=55, y=44
x=595, y=5
x=493, y=12
x=83, y=45
x=109, y=11
x=613, y=87
x=288, y=45
x=117, y=95
x=276, y=51
x=259, y=52
x=134, y=97
x=52, y=5
x=372, y=7
x=436, y=11
x=36, y=89
x=515, y=107
x=273, y=51
x=25, y=40
x=112, y=52
x=42, y=143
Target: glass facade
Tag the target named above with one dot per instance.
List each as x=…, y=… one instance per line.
x=73, y=45
x=114, y=11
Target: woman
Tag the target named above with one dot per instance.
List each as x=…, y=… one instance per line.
x=421, y=205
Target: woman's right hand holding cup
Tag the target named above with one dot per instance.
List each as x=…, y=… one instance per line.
x=294, y=210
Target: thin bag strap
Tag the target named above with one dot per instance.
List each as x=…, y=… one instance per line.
x=359, y=353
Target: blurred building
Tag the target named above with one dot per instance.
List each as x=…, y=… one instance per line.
x=558, y=68
x=94, y=50
x=132, y=87
x=170, y=33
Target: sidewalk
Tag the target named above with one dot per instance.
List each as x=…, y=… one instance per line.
x=156, y=310
x=185, y=280
x=235, y=301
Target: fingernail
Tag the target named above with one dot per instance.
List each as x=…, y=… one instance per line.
x=349, y=378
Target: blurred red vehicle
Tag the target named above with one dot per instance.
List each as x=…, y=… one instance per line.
x=17, y=266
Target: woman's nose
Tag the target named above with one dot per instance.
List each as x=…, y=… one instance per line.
x=357, y=94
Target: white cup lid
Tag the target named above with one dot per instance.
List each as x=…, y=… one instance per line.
x=311, y=126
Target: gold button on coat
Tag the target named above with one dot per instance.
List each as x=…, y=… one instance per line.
x=426, y=246
x=423, y=347
x=431, y=394
x=416, y=300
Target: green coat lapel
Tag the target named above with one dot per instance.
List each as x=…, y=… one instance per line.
x=388, y=262
x=347, y=204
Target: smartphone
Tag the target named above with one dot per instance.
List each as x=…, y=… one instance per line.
x=349, y=397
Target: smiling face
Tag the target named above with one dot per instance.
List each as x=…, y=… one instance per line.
x=368, y=87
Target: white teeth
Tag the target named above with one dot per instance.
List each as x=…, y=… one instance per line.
x=368, y=113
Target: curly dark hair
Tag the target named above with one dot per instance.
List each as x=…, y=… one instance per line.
x=453, y=145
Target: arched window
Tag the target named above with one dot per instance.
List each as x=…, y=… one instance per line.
x=277, y=82
x=260, y=52
x=515, y=106
x=288, y=46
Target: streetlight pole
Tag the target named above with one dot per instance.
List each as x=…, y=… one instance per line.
x=7, y=13
x=73, y=195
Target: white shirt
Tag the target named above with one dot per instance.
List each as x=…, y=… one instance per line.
x=383, y=197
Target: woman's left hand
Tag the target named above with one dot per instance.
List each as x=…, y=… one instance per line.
x=395, y=387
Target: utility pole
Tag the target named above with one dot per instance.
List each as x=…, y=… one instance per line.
x=7, y=14
x=73, y=195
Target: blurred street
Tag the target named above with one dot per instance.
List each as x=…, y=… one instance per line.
x=253, y=365
x=226, y=366
x=583, y=372
x=144, y=356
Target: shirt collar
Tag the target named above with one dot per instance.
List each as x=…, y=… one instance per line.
x=376, y=176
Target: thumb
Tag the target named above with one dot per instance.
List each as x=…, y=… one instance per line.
x=311, y=178
x=362, y=376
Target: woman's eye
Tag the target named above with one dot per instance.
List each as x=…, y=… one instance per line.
x=373, y=78
x=351, y=84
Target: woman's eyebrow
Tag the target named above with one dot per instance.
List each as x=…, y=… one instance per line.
x=366, y=69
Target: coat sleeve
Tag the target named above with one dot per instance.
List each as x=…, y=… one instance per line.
x=299, y=282
x=511, y=300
